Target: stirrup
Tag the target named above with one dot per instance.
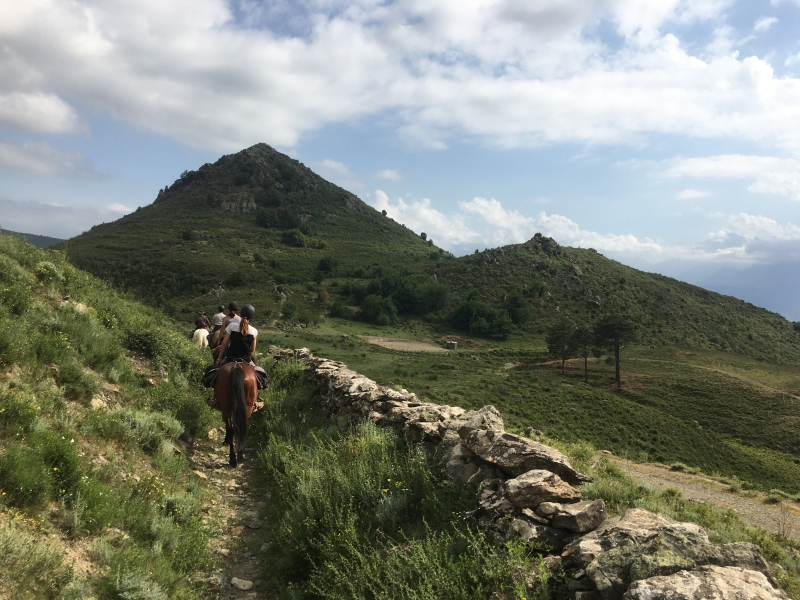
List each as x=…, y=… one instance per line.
x=212, y=402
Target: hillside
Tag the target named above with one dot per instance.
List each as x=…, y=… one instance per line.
x=40, y=241
x=582, y=285
x=249, y=222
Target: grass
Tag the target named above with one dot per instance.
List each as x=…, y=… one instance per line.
x=705, y=409
x=358, y=513
x=67, y=467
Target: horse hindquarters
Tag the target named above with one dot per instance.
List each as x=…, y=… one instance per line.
x=238, y=410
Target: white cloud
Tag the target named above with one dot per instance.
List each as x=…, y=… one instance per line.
x=446, y=231
x=37, y=112
x=762, y=24
x=338, y=173
x=389, y=174
x=120, y=208
x=753, y=227
x=691, y=194
x=500, y=71
x=770, y=175
x=43, y=159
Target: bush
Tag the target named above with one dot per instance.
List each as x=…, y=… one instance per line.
x=145, y=341
x=235, y=280
x=380, y=311
x=17, y=411
x=77, y=385
x=295, y=238
x=289, y=310
x=31, y=567
x=25, y=480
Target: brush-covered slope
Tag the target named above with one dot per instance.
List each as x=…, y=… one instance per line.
x=94, y=388
x=582, y=285
x=245, y=223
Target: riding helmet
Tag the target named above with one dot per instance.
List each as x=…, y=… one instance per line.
x=248, y=311
x=234, y=306
x=220, y=308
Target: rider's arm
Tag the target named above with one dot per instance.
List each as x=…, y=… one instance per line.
x=222, y=348
x=253, y=349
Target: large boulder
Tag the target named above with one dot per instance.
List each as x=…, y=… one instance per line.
x=535, y=533
x=706, y=583
x=641, y=545
x=530, y=489
x=516, y=455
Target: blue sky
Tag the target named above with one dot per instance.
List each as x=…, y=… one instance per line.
x=660, y=132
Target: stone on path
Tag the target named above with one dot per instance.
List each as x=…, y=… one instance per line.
x=241, y=584
x=200, y=474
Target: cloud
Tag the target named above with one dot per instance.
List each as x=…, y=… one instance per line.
x=762, y=24
x=770, y=175
x=691, y=194
x=389, y=174
x=37, y=112
x=446, y=231
x=54, y=220
x=338, y=173
x=43, y=159
x=120, y=208
x=223, y=75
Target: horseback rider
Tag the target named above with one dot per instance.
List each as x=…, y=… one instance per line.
x=200, y=322
x=232, y=316
x=240, y=338
x=219, y=318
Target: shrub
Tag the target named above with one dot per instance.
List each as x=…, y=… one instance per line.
x=235, y=280
x=25, y=480
x=17, y=411
x=47, y=272
x=148, y=430
x=289, y=310
x=32, y=567
x=678, y=466
x=77, y=385
x=146, y=341
x=295, y=238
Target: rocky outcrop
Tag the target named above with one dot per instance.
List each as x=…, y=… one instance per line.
x=526, y=491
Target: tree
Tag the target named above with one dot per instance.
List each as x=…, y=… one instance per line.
x=581, y=340
x=423, y=235
x=558, y=339
x=614, y=330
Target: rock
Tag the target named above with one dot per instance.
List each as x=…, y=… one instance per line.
x=520, y=529
x=213, y=434
x=98, y=403
x=536, y=486
x=532, y=433
x=253, y=524
x=200, y=474
x=553, y=563
x=640, y=545
x=223, y=551
x=710, y=582
x=241, y=584
x=516, y=455
x=580, y=517
x=487, y=418
x=547, y=509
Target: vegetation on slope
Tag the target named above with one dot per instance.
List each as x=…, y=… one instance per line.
x=249, y=222
x=709, y=409
x=93, y=391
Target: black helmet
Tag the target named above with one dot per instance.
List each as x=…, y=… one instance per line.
x=248, y=311
x=220, y=308
x=233, y=306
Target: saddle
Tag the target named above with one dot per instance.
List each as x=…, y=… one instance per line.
x=211, y=372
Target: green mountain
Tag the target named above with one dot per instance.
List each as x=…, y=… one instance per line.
x=238, y=228
x=261, y=227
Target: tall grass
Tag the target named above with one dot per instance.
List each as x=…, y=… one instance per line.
x=361, y=514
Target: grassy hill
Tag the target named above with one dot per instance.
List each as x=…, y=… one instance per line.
x=239, y=228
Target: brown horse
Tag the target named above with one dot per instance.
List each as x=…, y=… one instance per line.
x=215, y=340
x=236, y=391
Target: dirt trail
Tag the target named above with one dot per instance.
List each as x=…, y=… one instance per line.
x=782, y=519
x=401, y=344
x=235, y=514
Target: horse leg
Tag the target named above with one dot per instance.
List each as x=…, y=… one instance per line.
x=228, y=433
x=232, y=458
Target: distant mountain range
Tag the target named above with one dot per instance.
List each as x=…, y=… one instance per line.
x=40, y=241
x=775, y=287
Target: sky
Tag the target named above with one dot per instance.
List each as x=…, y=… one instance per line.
x=662, y=133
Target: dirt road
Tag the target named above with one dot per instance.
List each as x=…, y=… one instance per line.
x=782, y=519
x=401, y=344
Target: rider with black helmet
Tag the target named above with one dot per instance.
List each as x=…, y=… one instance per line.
x=219, y=317
x=240, y=337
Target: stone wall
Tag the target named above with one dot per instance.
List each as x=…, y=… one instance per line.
x=529, y=491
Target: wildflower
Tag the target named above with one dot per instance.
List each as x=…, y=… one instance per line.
x=385, y=491
x=55, y=468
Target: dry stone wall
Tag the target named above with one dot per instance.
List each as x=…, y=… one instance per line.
x=526, y=490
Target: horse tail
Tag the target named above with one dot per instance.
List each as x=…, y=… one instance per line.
x=239, y=412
